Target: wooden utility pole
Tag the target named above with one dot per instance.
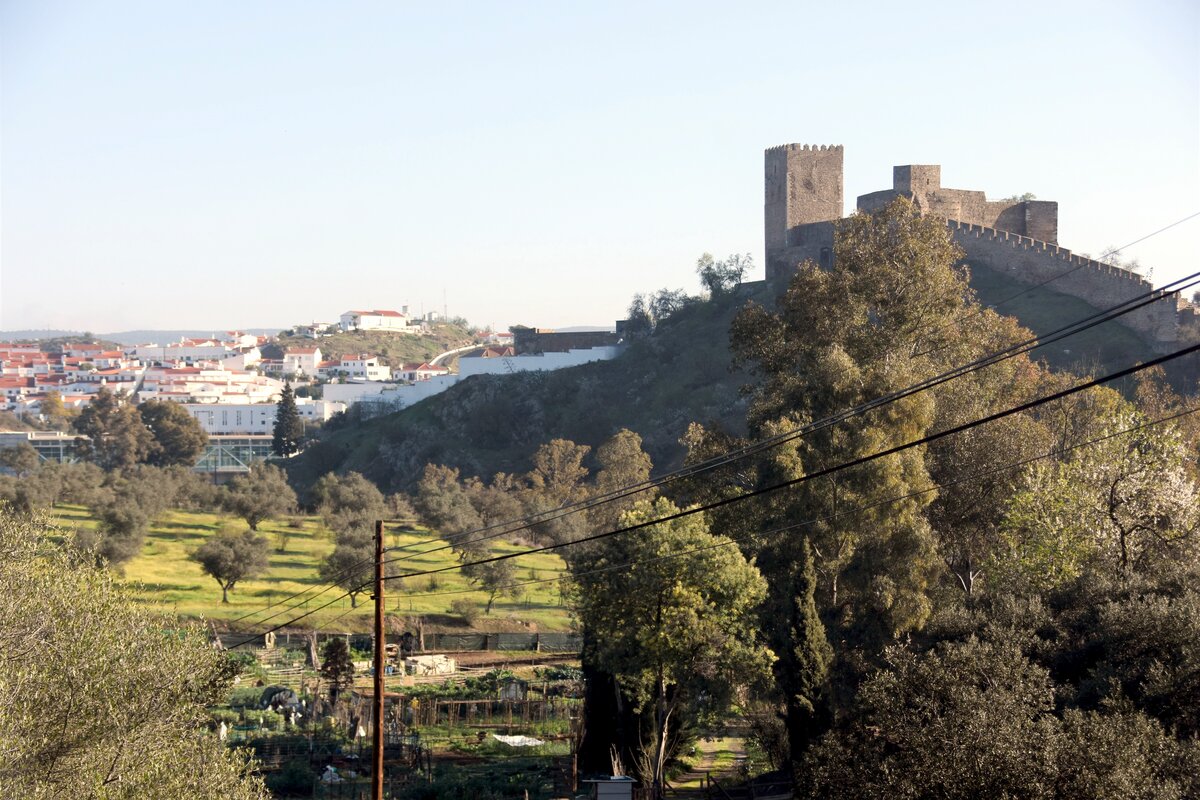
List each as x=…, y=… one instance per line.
x=377, y=769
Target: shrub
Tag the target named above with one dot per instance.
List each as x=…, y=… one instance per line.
x=466, y=609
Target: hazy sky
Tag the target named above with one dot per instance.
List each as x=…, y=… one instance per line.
x=213, y=164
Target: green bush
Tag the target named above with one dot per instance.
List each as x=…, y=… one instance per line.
x=226, y=715
x=466, y=609
x=267, y=719
x=296, y=777
x=245, y=697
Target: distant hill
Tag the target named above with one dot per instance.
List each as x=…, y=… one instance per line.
x=488, y=424
x=130, y=337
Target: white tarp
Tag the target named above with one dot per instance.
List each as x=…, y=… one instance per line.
x=518, y=741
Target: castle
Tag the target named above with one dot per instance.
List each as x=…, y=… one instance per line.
x=1018, y=238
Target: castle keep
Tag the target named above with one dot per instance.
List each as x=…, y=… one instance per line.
x=1018, y=238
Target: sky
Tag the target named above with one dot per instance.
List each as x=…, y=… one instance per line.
x=220, y=165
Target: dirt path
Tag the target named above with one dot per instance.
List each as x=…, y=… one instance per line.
x=716, y=757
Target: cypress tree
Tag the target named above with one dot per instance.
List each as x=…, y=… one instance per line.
x=802, y=671
x=288, y=429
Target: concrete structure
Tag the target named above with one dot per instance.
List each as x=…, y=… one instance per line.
x=51, y=446
x=547, y=340
x=378, y=320
x=255, y=418
x=1019, y=238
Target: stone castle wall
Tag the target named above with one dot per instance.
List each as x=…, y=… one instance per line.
x=921, y=184
x=1016, y=238
x=1032, y=261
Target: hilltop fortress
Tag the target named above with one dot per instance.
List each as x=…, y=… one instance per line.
x=1017, y=238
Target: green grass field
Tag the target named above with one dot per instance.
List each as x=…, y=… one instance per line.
x=165, y=578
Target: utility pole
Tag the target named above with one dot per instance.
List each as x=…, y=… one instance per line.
x=377, y=769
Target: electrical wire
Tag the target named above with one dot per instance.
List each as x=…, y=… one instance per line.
x=919, y=442
x=994, y=358
x=1030, y=344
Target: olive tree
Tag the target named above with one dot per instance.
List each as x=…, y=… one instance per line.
x=98, y=699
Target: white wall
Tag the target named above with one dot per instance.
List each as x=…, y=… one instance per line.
x=401, y=396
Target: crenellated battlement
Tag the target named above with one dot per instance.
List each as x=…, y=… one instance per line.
x=1028, y=243
x=815, y=148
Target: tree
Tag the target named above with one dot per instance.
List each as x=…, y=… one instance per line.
x=337, y=669
x=1125, y=504
x=351, y=565
x=721, y=277
x=622, y=462
x=348, y=501
x=289, y=430
x=802, y=671
x=99, y=699
x=677, y=628
x=178, y=437
x=260, y=494
x=53, y=410
x=445, y=505
x=232, y=557
x=884, y=316
x=495, y=577
x=117, y=436
x=637, y=319
x=22, y=459
x=976, y=719
x=558, y=470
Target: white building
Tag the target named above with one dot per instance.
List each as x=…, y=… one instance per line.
x=362, y=366
x=301, y=360
x=378, y=320
x=246, y=418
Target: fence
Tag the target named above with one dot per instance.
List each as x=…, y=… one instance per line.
x=449, y=642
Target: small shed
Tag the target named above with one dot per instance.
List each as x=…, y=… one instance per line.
x=514, y=689
x=612, y=787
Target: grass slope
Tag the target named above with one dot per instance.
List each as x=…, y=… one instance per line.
x=166, y=579
x=393, y=349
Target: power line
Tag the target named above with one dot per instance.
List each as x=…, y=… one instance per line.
x=731, y=540
x=541, y=517
x=924, y=440
x=994, y=358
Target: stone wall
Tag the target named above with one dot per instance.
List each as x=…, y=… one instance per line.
x=544, y=340
x=803, y=186
x=1032, y=261
x=921, y=184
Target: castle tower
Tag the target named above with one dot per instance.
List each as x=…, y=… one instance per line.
x=803, y=188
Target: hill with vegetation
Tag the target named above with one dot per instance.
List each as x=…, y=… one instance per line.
x=392, y=349
x=492, y=423
x=656, y=387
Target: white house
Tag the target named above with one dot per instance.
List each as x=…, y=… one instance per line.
x=420, y=372
x=362, y=366
x=301, y=360
x=378, y=320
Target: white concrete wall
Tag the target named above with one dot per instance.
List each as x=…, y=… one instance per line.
x=402, y=396
x=255, y=417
